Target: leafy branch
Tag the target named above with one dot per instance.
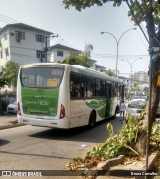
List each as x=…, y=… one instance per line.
x=120, y=144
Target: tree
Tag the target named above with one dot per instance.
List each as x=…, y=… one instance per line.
x=11, y=73
x=73, y=59
x=80, y=59
x=3, y=79
x=140, y=11
x=135, y=87
x=110, y=72
x=87, y=50
x=3, y=82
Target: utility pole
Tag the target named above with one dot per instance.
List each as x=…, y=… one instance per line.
x=46, y=48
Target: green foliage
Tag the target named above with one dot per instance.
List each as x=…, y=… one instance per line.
x=80, y=59
x=110, y=129
x=11, y=73
x=110, y=72
x=73, y=59
x=135, y=87
x=155, y=138
x=3, y=79
x=120, y=144
x=87, y=50
x=140, y=8
x=82, y=4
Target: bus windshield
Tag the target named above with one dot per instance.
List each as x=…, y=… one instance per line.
x=41, y=77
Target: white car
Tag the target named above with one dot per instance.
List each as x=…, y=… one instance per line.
x=136, y=106
x=12, y=108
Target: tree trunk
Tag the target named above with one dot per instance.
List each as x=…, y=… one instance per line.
x=154, y=71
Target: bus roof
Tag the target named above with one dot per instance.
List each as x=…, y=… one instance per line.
x=95, y=73
x=79, y=69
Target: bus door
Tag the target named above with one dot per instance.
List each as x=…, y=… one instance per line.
x=108, y=99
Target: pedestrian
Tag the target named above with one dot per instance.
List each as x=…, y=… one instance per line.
x=122, y=109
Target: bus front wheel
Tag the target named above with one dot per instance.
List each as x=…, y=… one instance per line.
x=92, y=120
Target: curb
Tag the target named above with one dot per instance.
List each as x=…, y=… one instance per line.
x=152, y=159
x=11, y=124
x=102, y=167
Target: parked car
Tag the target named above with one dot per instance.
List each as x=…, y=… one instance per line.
x=12, y=108
x=139, y=97
x=136, y=106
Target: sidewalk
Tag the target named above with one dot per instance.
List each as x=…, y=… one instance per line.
x=8, y=121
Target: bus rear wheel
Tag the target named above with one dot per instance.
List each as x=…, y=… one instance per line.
x=92, y=120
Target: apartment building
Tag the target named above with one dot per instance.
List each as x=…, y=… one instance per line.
x=23, y=44
x=140, y=76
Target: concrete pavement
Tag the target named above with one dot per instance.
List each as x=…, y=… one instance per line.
x=8, y=121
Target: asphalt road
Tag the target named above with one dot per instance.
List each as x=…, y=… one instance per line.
x=40, y=148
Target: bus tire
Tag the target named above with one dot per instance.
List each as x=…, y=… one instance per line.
x=92, y=120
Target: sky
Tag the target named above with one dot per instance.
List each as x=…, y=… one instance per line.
x=75, y=29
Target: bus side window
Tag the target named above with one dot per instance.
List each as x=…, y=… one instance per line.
x=108, y=90
x=113, y=90
x=116, y=89
x=75, y=86
x=84, y=86
x=102, y=88
x=91, y=87
x=98, y=87
x=72, y=85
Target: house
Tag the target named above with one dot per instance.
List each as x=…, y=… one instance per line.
x=23, y=44
x=59, y=52
x=100, y=68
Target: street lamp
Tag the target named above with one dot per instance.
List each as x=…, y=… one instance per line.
x=117, y=42
x=131, y=64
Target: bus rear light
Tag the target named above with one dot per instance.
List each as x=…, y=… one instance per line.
x=18, y=109
x=62, y=111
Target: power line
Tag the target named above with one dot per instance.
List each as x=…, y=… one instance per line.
x=65, y=41
x=113, y=56
x=136, y=30
x=9, y=18
x=5, y=20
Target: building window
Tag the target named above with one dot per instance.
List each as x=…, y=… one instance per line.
x=39, y=38
x=40, y=54
x=12, y=34
x=20, y=35
x=1, y=54
x=60, y=53
x=7, y=52
x=5, y=36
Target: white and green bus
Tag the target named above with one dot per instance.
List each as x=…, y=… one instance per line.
x=66, y=96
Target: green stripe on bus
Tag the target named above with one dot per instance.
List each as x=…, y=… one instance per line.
x=103, y=106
